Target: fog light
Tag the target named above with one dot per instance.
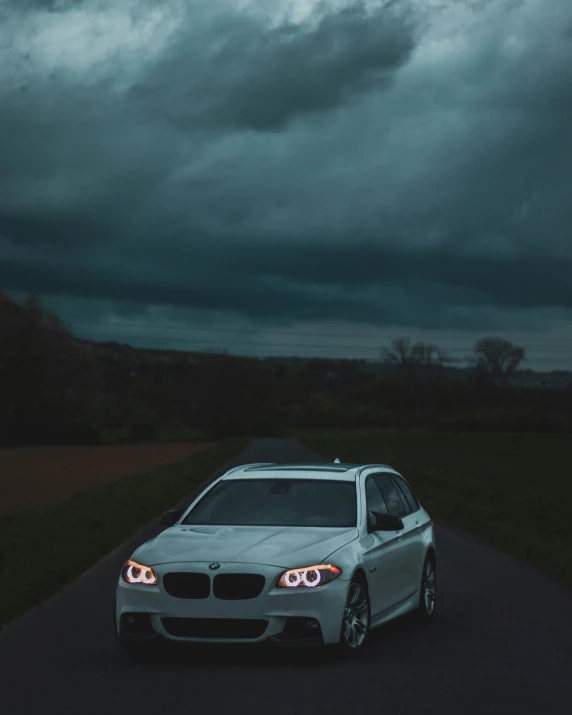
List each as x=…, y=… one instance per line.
x=138, y=624
x=312, y=624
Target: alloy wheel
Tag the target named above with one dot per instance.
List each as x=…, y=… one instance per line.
x=355, y=624
x=428, y=588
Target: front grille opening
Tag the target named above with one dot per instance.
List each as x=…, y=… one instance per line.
x=297, y=627
x=187, y=585
x=136, y=624
x=214, y=627
x=300, y=630
x=238, y=586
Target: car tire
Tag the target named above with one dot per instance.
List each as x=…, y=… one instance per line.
x=356, y=620
x=428, y=590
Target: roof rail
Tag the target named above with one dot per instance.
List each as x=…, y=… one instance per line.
x=246, y=466
x=259, y=464
x=369, y=466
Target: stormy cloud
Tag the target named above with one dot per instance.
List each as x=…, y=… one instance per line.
x=383, y=164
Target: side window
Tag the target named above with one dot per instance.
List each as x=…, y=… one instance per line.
x=374, y=499
x=406, y=490
x=391, y=495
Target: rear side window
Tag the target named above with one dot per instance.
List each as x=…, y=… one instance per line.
x=395, y=503
x=408, y=494
x=374, y=499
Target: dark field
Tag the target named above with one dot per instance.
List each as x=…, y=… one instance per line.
x=32, y=477
x=44, y=549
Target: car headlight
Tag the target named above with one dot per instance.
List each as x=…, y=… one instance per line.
x=138, y=573
x=309, y=576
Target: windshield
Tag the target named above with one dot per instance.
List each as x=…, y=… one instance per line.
x=277, y=502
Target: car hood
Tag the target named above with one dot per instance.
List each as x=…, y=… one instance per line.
x=286, y=547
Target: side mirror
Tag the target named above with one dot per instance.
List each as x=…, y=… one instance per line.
x=171, y=517
x=385, y=522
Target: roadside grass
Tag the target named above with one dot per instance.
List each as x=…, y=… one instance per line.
x=43, y=550
x=512, y=490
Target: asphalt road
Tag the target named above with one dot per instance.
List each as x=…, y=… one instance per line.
x=501, y=642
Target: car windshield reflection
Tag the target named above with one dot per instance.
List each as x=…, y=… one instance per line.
x=278, y=502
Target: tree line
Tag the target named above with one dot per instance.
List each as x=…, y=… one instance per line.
x=55, y=388
x=493, y=358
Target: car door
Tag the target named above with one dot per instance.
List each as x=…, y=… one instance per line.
x=407, y=573
x=415, y=543
x=380, y=554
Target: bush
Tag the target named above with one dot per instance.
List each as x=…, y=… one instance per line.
x=142, y=432
x=143, y=426
x=456, y=423
x=367, y=416
x=84, y=432
x=289, y=416
x=502, y=420
x=264, y=427
x=31, y=431
x=224, y=423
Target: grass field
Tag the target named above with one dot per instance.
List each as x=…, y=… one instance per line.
x=44, y=549
x=513, y=490
x=33, y=477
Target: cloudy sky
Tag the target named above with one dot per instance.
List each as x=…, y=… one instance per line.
x=291, y=176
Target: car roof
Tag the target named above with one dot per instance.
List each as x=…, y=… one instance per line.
x=319, y=470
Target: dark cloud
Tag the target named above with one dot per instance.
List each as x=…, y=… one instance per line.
x=229, y=73
x=360, y=283
x=400, y=163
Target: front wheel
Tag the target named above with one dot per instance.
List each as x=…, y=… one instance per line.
x=356, y=619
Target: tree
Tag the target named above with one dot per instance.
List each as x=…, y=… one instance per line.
x=417, y=360
x=47, y=378
x=399, y=354
x=497, y=358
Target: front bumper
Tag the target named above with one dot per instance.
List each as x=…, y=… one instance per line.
x=289, y=616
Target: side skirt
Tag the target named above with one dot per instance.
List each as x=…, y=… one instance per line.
x=400, y=608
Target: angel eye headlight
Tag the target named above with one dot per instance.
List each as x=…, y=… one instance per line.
x=138, y=573
x=309, y=576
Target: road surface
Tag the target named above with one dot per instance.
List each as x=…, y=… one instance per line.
x=501, y=643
